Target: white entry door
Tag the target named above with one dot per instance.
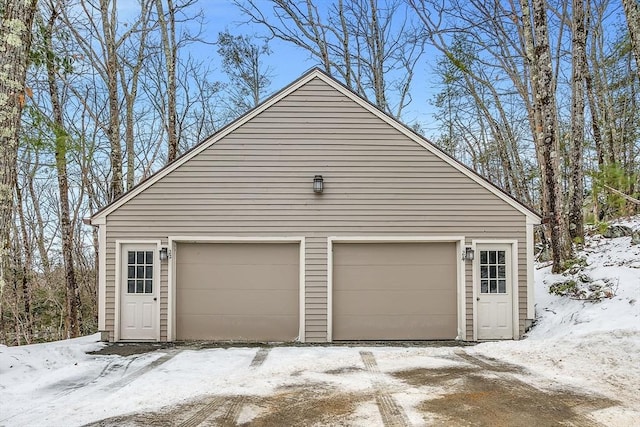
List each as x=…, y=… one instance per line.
x=494, y=292
x=139, y=293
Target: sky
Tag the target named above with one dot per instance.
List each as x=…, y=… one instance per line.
x=288, y=62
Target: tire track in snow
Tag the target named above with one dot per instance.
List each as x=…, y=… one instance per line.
x=230, y=418
x=140, y=372
x=392, y=414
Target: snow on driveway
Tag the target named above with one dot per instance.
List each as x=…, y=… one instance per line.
x=60, y=384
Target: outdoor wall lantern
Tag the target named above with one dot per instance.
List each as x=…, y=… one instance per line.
x=318, y=184
x=164, y=254
x=469, y=254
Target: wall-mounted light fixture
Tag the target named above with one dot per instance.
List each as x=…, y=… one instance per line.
x=469, y=254
x=164, y=254
x=318, y=184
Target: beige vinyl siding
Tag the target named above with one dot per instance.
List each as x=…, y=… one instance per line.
x=257, y=181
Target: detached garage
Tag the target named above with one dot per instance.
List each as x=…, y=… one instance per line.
x=315, y=217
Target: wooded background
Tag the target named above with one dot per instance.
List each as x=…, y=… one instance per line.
x=541, y=97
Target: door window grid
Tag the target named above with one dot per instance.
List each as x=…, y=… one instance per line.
x=140, y=272
x=493, y=272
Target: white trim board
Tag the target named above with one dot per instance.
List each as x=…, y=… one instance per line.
x=172, y=244
x=102, y=277
x=460, y=280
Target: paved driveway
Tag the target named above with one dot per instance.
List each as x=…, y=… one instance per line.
x=390, y=386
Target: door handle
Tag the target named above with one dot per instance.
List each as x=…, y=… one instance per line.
x=477, y=298
x=155, y=299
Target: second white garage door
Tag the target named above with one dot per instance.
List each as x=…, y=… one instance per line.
x=394, y=291
x=237, y=291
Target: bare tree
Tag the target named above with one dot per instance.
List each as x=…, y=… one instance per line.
x=61, y=143
x=373, y=49
x=578, y=69
x=242, y=62
x=538, y=56
x=130, y=72
x=16, y=19
x=170, y=48
x=632, y=11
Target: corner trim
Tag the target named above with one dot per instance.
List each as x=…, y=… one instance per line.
x=102, y=277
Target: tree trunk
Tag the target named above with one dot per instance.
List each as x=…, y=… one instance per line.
x=61, y=142
x=168, y=35
x=16, y=18
x=108, y=18
x=579, y=59
x=538, y=55
x=26, y=268
x=632, y=11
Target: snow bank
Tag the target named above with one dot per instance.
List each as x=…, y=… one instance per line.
x=587, y=344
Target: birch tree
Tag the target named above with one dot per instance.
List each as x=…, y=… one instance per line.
x=16, y=19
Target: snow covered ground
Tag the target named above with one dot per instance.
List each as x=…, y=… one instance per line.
x=593, y=347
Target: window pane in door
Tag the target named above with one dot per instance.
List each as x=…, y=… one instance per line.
x=492, y=257
x=484, y=286
x=149, y=256
x=148, y=286
x=492, y=272
x=484, y=272
x=483, y=257
x=502, y=286
x=131, y=286
x=501, y=257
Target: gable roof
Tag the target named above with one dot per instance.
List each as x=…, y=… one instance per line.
x=99, y=216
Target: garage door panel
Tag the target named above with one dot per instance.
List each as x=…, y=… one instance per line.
x=237, y=291
x=239, y=277
x=239, y=327
x=204, y=301
x=393, y=290
x=406, y=253
x=387, y=302
x=387, y=277
x=234, y=253
x=406, y=327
